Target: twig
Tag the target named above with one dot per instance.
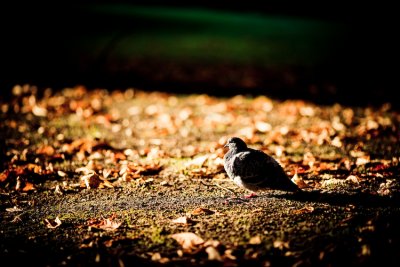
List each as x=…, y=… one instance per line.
x=227, y=189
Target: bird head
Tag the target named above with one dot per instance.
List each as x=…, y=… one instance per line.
x=235, y=143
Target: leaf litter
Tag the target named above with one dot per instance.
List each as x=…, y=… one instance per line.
x=102, y=147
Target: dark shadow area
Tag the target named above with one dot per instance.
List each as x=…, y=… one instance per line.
x=48, y=252
x=338, y=53
x=339, y=198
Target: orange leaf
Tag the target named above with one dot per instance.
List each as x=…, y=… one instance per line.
x=28, y=187
x=45, y=150
x=4, y=175
x=306, y=209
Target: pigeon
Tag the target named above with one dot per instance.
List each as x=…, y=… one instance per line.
x=254, y=170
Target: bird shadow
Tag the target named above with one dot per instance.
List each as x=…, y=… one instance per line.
x=342, y=198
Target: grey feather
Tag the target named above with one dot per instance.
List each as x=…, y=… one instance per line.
x=253, y=169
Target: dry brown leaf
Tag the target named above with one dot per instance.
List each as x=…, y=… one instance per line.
x=148, y=169
x=255, y=240
x=108, y=224
x=353, y=179
x=53, y=223
x=213, y=254
x=4, y=175
x=46, y=150
x=199, y=211
x=228, y=254
x=279, y=244
x=158, y=258
x=212, y=242
x=33, y=168
x=182, y=220
x=299, y=181
x=306, y=209
x=93, y=180
x=362, y=160
x=188, y=241
x=13, y=209
x=58, y=190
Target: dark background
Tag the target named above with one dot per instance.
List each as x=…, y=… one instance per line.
x=47, y=45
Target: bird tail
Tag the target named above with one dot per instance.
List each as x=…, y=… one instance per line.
x=292, y=187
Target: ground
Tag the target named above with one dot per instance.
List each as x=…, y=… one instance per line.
x=116, y=178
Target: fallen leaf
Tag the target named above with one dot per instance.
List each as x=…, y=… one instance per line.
x=13, y=209
x=108, y=224
x=199, y=211
x=61, y=173
x=148, y=169
x=4, y=175
x=213, y=243
x=53, y=223
x=228, y=254
x=58, y=190
x=158, y=258
x=182, y=220
x=198, y=161
x=306, y=209
x=187, y=240
x=299, y=181
x=255, y=240
x=93, y=180
x=387, y=188
x=46, y=150
x=362, y=160
x=353, y=179
x=39, y=111
x=28, y=187
x=279, y=244
x=263, y=127
x=213, y=254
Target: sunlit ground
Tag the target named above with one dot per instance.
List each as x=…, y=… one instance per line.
x=123, y=176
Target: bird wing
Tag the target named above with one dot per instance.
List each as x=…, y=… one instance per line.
x=259, y=169
x=251, y=164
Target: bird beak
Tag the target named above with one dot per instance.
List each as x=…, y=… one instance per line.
x=226, y=145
